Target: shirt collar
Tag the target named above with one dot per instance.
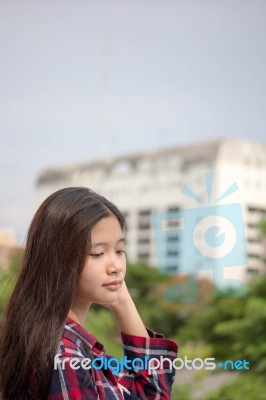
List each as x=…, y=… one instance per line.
x=75, y=329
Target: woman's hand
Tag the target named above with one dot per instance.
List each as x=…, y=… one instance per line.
x=126, y=314
x=123, y=297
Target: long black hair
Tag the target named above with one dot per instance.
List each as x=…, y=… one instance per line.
x=58, y=242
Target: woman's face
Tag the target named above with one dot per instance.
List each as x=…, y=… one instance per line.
x=105, y=267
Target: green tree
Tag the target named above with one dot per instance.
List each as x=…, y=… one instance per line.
x=234, y=327
x=246, y=387
x=7, y=280
x=262, y=227
x=147, y=286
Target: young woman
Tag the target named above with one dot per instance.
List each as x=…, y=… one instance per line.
x=74, y=257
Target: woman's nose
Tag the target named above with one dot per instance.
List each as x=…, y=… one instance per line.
x=115, y=265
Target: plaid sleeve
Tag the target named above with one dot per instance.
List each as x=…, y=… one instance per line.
x=69, y=383
x=155, y=380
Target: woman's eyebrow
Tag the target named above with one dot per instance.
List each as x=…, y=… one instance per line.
x=122, y=240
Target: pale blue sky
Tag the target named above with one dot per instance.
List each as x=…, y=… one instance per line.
x=82, y=79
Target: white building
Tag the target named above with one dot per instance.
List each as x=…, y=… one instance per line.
x=144, y=184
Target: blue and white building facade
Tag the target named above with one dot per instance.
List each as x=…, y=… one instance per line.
x=174, y=180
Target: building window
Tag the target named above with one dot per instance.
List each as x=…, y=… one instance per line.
x=144, y=226
x=172, y=239
x=253, y=255
x=252, y=210
x=144, y=219
x=171, y=269
x=144, y=213
x=252, y=271
x=257, y=210
x=172, y=253
x=144, y=256
x=250, y=225
x=144, y=240
x=173, y=208
x=254, y=240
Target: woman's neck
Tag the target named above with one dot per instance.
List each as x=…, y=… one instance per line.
x=78, y=312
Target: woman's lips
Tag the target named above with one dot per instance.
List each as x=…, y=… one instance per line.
x=114, y=285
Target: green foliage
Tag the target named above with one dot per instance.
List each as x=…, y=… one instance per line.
x=147, y=287
x=262, y=230
x=202, y=321
x=7, y=280
x=103, y=326
x=143, y=279
x=245, y=387
x=195, y=350
x=181, y=392
x=234, y=327
x=247, y=334
x=262, y=227
x=4, y=293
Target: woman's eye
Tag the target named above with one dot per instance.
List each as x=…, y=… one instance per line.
x=120, y=252
x=96, y=255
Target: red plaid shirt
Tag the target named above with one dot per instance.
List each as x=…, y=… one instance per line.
x=98, y=384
